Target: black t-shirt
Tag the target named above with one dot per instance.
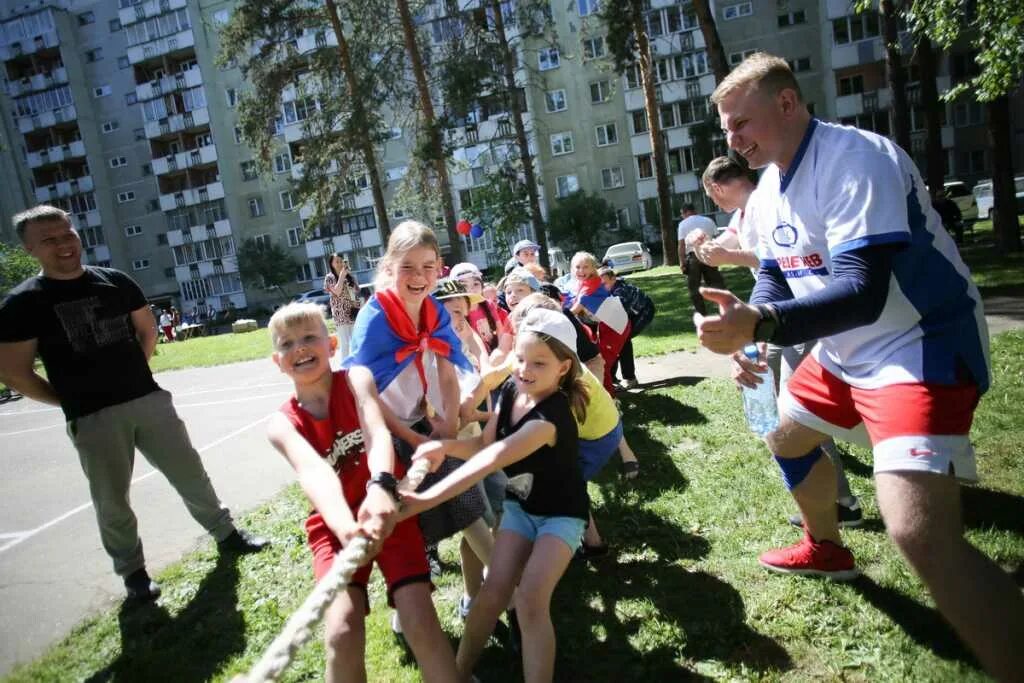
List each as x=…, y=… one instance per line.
x=585, y=349
x=85, y=337
x=549, y=481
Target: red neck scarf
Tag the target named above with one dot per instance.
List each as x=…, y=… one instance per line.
x=415, y=340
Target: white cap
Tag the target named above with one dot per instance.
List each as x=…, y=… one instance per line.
x=552, y=323
x=461, y=270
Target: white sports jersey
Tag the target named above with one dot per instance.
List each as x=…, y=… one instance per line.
x=847, y=189
x=741, y=225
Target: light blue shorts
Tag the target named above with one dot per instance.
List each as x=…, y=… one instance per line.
x=595, y=453
x=569, y=529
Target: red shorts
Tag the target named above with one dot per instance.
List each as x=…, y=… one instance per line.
x=402, y=558
x=915, y=427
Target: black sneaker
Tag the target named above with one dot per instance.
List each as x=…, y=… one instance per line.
x=242, y=542
x=434, y=560
x=140, y=587
x=515, y=638
x=849, y=516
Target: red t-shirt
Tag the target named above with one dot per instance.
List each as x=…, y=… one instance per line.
x=338, y=439
x=478, y=320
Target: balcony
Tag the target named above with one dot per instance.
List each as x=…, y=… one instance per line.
x=298, y=169
x=177, y=162
x=136, y=13
x=89, y=219
x=198, y=233
x=161, y=86
x=97, y=254
x=673, y=91
x=192, y=196
x=364, y=238
x=65, y=188
x=41, y=81
x=197, y=118
x=861, y=103
x=310, y=41
x=228, y=264
x=866, y=51
x=47, y=119
x=919, y=139
x=161, y=46
x=56, y=154
x=28, y=46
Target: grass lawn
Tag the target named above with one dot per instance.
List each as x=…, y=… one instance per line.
x=681, y=596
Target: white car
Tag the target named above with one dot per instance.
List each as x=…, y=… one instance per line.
x=627, y=257
x=962, y=197
x=315, y=296
x=983, y=196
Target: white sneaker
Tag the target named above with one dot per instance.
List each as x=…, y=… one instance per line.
x=465, y=603
x=630, y=384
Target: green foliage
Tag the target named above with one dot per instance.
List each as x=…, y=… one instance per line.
x=621, y=41
x=500, y=205
x=994, y=27
x=15, y=265
x=265, y=265
x=577, y=220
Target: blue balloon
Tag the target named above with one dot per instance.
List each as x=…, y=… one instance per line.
x=476, y=231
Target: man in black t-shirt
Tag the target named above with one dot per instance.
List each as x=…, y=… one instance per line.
x=95, y=334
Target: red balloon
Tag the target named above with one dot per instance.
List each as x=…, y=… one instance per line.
x=463, y=227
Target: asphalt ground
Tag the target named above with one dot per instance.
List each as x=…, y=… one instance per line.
x=53, y=569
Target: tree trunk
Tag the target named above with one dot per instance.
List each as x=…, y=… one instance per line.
x=433, y=131
x=934, y=168
x=369, y=156
x=508, y=67
x=669, y=243
x=897, y=76
x=1004, y=202
x=713, y=43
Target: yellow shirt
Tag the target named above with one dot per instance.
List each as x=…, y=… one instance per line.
x=602, y=416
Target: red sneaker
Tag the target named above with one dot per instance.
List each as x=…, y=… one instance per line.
x=808, y=557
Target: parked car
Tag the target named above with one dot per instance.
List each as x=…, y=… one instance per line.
x=963, y=198
x=315, y=296
x=983, y=196
x=627, y=257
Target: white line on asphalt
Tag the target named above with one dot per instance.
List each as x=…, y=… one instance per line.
x=34, y=429
x=18, y=413
x=84, y=506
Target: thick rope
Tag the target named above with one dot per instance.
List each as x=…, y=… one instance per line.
x=299, y=628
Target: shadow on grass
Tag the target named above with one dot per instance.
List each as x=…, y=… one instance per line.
x=924, y=625
x=986, y=508
x=192, y=646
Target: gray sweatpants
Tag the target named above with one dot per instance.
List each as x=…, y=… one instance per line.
x=783, y=361
x=106, y=441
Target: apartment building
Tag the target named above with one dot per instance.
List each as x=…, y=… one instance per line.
x=118, y=113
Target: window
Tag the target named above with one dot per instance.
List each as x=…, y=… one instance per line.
x=622, y=218
x=249, y=170
x=238, y=135
x=294, y=237
x=101, y=91
x=554, y=100
x=792, y=18
x=593, y=48
x=644, y=166
x=607, y=134
x=667, y=114
x=122, y=62
x=261, y=241
x=140, y=264
x=147, y=169
x=132, y=230
x=679, y=20
x=231, y=96
x=94, y=55
x=287, y=200
x=855, y=28
x=118, y=162
x=611, y=178
x=115, y=25
x=130, y=98
x=221, y=17
x=256, y=207
x=153, y=205
x=282, y=162
x=303, y=273
x=124, y=197
x=600, y=91
x=695, y=64
x=161, y=239
x=799, y=64
x=547, y=58
x=737, y=57
x=655, y=27
x=140, y=134
x=86, y=18
x=639, y=118
x=565, y=185
x=851, y=85
x=742, y=9
x=588, y=7
x=561, y=143
x=168, y=272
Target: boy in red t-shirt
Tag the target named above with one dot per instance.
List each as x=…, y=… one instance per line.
x=345, y=462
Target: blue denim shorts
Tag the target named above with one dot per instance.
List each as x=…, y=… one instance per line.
x=569, y=529
x=594, y=453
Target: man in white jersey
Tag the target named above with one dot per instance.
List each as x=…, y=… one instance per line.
x=693, y=230
x=853, y=254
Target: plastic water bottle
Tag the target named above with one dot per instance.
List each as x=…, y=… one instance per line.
x=759, y=404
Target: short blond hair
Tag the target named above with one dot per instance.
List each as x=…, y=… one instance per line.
x=762, y=71
x=43, y=213
x=293, y=315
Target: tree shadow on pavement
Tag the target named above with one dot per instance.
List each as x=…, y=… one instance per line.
x=190, y=646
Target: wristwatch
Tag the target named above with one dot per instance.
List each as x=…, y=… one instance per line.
x=386, y=481
x=768, y=325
